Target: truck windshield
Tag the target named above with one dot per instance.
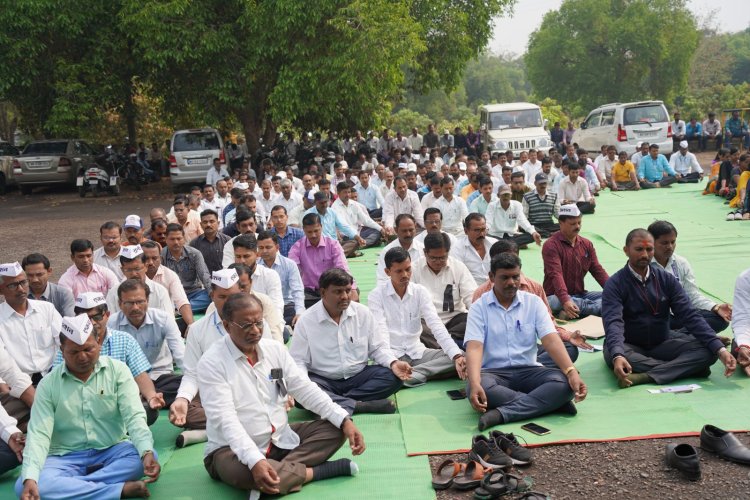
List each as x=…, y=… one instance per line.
x=515, y=119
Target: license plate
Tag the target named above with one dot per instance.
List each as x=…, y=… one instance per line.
x=93, y=182
x=113, y=181
x=198, y=161
x=647, y=133
x=79, y=181
x=37, y=164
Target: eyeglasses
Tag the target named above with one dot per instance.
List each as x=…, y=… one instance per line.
x=97, y=317
x=131, y=303
x=17, y=284
x=247, y=327
x=110, y=238
x=437, y=259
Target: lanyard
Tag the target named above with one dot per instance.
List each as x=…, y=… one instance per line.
x=643, y=288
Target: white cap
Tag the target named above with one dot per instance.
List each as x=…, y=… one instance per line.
x=402, y=165
x=131, y=251
x=461, y=165
x=90, y=300
x=133, y=221
x=77, y=328
x=569, y=210
x=242, y=185
x=411, y=167
x=11, y=269
x=684, y=144
x=224, y=278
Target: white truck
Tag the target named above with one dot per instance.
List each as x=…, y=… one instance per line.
x=515, y=126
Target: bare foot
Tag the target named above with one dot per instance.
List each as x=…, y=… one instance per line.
x=135, y=489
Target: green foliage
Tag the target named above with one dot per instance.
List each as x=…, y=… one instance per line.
x=738, y=45
x=404, y=119
x=590, y=52
x=553, y=112
x=494, y=79
x=716, y=98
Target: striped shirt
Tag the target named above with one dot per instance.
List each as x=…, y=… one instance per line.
x=122, y=347
x=292, y=235
x=540, y=210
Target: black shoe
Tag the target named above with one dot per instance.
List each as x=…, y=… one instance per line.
x=508, y=444
x=684, y=458
x=486, y=452
x=724, y=444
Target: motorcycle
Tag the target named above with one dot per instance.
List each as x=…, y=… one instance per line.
x=99, y=177
x=131, y=172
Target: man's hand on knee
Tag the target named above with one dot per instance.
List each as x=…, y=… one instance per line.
x=30, y=490
x=178, y=412
x=622, y=369
x=265, y=477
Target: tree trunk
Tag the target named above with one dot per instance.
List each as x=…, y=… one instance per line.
x=129, y=113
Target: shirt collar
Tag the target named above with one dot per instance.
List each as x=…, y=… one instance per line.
x=390, y=290
x=517, y=300
x=237, y=354
x=124, y=321
x=322, y=315
x=97, y=367
x=638, y=276
x=45, y=294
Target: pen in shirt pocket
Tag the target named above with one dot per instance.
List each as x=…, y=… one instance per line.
x=518, y=325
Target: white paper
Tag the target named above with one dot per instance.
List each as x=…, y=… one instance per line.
x=675, y=388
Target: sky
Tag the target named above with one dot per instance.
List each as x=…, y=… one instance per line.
x=511, y=34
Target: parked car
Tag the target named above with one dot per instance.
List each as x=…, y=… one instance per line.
x=624, y=125
x=7, y=152
x=192, y=153
x=55, y=161
x=517, y=126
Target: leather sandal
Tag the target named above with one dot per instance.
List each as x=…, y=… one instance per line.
x=500, y=483
x=446, y=472
x=471, y=477
x=535, y=495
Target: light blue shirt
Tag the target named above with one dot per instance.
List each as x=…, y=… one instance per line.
x=331, y=222
x=509, y=335
x=653, y=170
x=291, y=282
x=371, y=197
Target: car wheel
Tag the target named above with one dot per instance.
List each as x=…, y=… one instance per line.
x=3, y=185
x=25, y=189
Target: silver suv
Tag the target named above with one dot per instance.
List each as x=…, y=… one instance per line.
x=192, y=153
x=625, y=125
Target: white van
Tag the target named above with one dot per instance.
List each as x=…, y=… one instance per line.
x=517, y=126
x=624, y=125
x=192, y=153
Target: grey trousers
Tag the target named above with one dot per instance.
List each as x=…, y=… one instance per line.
x=680, y=356
x=433, y=362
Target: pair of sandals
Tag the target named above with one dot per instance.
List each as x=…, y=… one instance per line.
x=487, y=483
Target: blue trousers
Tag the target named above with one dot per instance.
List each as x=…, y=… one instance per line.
x=66, y=477
x=589, y=303
x=199, y=300
x=373, y=382
x=525, y=392
x=543, y=357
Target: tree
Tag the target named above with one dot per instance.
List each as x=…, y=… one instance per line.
x=327, y=64
x=590, y=52
x=495, y=79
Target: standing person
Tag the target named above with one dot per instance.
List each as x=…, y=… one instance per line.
x=280, y=457
x=567, y=258
x=108, y=255
x=216, y=173
x=686, y=165
x=189, y=265
x=38, y=271
x=84, y=275
x=506, y=383
x=568, y=134
x=557, y=136
x=288, y=235
x=574, y=189
x=395, y=300
x=505, y=216
x=540, y=206
x=168, y=279
x=93, y=454
x=155, y=331
x=679, y=131
x=716, y=315
x=314, y=254
x=473, y=248
x=654, y=170
x=452, y=207
x=639, y=346
x=211, y=243
x=333, y=341
x=401, y=200
x=712, y=131
x=291, y=282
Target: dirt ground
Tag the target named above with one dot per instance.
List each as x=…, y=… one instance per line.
x=49, y=219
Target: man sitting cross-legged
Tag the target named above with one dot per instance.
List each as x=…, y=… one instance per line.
x=244, y=381
x=636, y=305
x=398, y=308
x=97, y=454
x=333, y=342
x=505, y=381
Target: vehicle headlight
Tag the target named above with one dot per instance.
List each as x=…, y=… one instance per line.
x=501, y=145
x=544, y=142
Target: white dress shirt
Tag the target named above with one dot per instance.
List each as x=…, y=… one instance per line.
x=401, y=318
x=18, y=381
x=267, y=281
x=269, y=203
x=741, y=309
x=158, y=298
x=680, y=268
x=395, y=206
x=244, y=408
x=295, y=199
x=466, y=253
x=339, y=350
x=454, y=212
x=421, y=236
x=113, y=264
x=501, y=221
x=274, y=321
x=578, y=191
x=354, y=214
x=604, y=167
x=217, y=205
x=454, y=273
x=530, y=170
x=428, y=201
x=31, y=340
x=294, y=216
x=684, y=164
x=416, y=252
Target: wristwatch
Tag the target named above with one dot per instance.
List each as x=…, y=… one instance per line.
x=344, y=422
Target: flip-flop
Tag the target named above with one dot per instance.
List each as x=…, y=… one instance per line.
x=500, y=483
x=471, y=477
x=446, y=472
x=535, y=495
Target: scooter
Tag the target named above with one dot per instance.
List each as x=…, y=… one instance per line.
x=97, y=178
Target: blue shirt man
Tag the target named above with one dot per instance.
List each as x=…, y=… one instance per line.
x=329, y=220
x=651, y=169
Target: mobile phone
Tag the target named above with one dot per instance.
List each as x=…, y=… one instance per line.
x=456, y=394
x=535, y=429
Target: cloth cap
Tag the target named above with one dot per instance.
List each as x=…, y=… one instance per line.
x=242, y=185
x=570, y=210
x=683, y=144
x=77, y=328
x=133, y=221
x=541, y=177
x=310, y=195
x=11, y=269
x=411, y=167
x=461, y=165
x=251, y=174
x=504, y=189
x=224, y=278
x=90, y=300
x=131, y=251
x=402, y=165
x=640, y=143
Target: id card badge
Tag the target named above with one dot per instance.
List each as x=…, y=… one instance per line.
x=277, y=375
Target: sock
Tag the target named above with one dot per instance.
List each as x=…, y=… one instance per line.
x=376, y=406
x=335, y=468
x=490, y=419
x=186, y=438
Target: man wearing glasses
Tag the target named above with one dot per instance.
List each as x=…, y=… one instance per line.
x=151, y=328
x=133, y=265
